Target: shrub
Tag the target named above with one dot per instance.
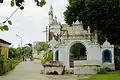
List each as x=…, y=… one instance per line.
x=108, y=69
x=47, y=58
x=7, y=65
x=43, y=61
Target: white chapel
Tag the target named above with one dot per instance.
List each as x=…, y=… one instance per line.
x=70, y=43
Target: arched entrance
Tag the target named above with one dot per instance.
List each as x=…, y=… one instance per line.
x=77, y=52
x=107, y=56
x=56, y=56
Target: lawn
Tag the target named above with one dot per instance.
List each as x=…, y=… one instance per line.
x=108, y=76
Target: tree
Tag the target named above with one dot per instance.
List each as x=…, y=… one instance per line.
x=41, y=46
x=14, y=53
x=1, y=1
x=19, y=3
x=101, y=15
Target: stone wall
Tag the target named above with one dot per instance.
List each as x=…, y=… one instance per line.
x=48, y=70
x=86, y=67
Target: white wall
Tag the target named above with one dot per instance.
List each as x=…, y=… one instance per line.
x=94, y=53
x=63, y=55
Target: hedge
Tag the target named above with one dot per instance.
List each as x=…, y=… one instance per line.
x=7, y=65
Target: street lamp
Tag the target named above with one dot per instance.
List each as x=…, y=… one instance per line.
x=21, y=42
x=20, y=39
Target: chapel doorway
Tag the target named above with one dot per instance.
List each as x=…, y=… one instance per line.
x=107, y=56
x=77, y=52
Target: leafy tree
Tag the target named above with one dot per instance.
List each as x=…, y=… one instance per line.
x=41, y=46
x=117, y=56
x=25, y=50
x=100, y=15
x=19, y=3
x=14, y=53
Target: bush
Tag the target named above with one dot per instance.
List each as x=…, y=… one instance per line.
x=104, y=70
x=108, y=69
x=117, y=63
x=47, y=58
x=7, y=65
x=43, y=61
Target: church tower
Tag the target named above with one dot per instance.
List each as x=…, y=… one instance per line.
x=50, y=15
x=54, y=26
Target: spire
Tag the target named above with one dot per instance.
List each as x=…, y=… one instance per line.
x=50, y=15
x=51, y=8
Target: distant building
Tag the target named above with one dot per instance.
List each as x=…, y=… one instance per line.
x=4, y=46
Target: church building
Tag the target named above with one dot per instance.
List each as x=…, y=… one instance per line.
x=70, y=43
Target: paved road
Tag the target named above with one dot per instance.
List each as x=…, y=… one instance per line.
x=29, y=70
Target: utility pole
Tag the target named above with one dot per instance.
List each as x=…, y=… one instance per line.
x=21, y=44
x=46, y=31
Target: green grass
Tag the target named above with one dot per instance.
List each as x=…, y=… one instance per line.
x=108, y=76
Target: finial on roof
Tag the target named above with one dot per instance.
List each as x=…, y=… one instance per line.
x=77, y=17
x=107, y=39
x=88, y=27
x=77, y=22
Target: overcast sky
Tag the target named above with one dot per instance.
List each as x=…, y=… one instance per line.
x=30, y=22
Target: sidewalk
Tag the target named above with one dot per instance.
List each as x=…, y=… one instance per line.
x=29, y=70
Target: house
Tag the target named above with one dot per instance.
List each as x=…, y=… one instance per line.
x=4, y=46
x=70, y=44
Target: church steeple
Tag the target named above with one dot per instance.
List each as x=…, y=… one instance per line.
x=50, y=15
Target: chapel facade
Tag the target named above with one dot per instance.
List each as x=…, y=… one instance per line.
x=70, y=43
